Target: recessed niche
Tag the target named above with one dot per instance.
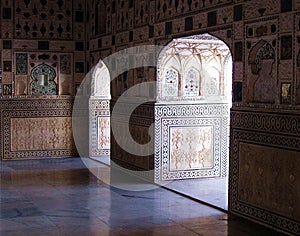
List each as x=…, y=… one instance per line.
x=6, y=44
x=79, y=46
x=286, y=47
x=168, y=28
x=43, y=45
x=238, y=13
x=286, y=92
x=237, y=91
x=6, y=13
x=238, y=51
x=7, y=66
x=211, y=18
x=79, y=16
x=188, y=23
x=286, y=5
x=79, y=67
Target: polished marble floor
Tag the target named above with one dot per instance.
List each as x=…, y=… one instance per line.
x=62, y=197
x=212, y=191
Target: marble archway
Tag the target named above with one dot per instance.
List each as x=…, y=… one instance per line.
x=99, y=111
x=194, y=77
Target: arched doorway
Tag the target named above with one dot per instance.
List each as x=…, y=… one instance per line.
x=99, y=112
x=194, y=77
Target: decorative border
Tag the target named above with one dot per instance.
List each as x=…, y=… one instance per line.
x=266, y=122
x=37, y=103
x=190, y=115
x=241, y=122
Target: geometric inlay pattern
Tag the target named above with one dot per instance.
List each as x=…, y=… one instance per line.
x=21, y=63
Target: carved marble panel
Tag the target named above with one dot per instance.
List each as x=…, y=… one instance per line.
x=103, y=132
x=191, y=141
x=7, y=54
x=286, y=70
x=191, y=148
x=99, y=110
x=200, y=20
x=36, y=128
x=34, y=134
x=238, y=71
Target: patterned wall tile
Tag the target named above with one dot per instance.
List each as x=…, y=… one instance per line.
x=7, y=89
x=200, y=21
x=285, y=70
x=45, y=19
x=224, y=15
x=7, y=54
x=21, y=44
x=285, y=22
x=141, y=12
x=256, y=9
x=262, y=180
x=7, y=77
x=238, y=30
x=65, y=64
x=21, y=64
